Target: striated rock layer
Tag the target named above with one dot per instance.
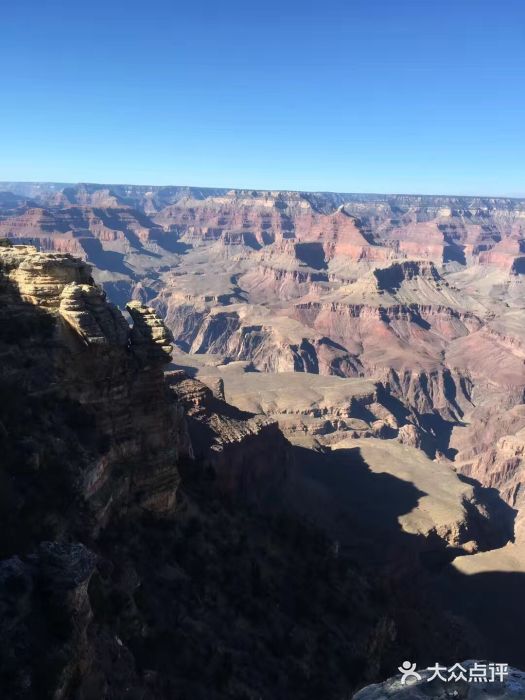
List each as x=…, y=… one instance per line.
x=95, y=361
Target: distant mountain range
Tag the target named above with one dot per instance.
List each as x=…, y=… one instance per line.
x=135, y=195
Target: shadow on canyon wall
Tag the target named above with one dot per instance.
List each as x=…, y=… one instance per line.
x=361, y=509
x=338, y=491
x=104, y=259
x=311, y=254
x=169, y=241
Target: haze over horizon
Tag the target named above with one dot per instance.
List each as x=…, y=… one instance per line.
x=11, y=184
x=348, y=97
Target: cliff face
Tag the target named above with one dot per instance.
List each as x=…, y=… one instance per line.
x=359, y=227
x=502, y=466
x=64, y=341
x=248, y=453
x=116, y=581
x=91, y=362
x=89, y=434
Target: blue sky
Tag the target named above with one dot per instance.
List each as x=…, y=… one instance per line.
x=349, y=95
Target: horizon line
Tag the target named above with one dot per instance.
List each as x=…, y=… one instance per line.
x=258, y=189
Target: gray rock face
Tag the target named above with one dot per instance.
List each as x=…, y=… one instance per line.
x=150, y=339
x=61, y=335
x=85, y=308
x=45, y=613
x=509, y=686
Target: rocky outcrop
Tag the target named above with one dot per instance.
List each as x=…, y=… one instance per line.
x=115, y=374
x=248, y=453
x=42, y=596
x=440, y=392
x=502, y=466
x=85, y=309
x=491, y=449
x=41, y=277
x=149, y=338
x=390, y=278
x=110, y=372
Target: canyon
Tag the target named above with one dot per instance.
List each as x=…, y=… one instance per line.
x=356, y=362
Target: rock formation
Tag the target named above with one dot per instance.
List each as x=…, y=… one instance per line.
x=423, y=294
x=94, y=360
x=247, y=452
x=360, y=327
x=114, y=580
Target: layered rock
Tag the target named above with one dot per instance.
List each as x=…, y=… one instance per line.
x=41, y=277
x=149, y=338
x=85, y=309
x=329, y=408
x=443, y=229
x=393, y=276
x=96, y=361
x=502, y=466
x=272, y=343
x=248, y=453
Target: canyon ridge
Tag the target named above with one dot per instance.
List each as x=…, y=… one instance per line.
x=354, y=364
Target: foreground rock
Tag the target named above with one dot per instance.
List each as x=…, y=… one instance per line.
x=73, y=355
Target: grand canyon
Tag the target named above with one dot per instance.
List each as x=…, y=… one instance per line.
x=258, y=444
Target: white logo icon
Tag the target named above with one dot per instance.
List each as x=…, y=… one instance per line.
x=408, y=670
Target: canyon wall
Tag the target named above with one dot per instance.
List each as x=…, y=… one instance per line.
x=424, y=294
x=143, y=524
x=381, y=336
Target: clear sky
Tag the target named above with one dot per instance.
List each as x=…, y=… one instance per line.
x=422, y=96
